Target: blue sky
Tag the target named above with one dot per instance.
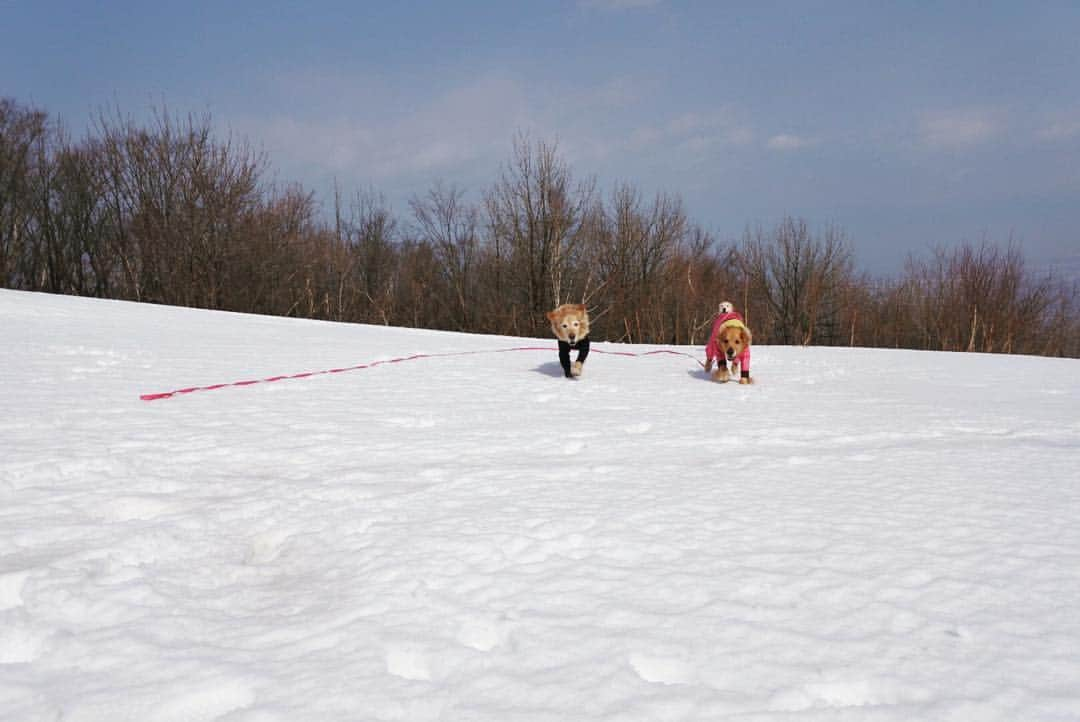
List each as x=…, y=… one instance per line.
x=906, y=124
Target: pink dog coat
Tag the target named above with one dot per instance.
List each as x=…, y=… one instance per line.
x=712, y=349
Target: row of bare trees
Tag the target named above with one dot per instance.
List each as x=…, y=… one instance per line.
x=170, y=213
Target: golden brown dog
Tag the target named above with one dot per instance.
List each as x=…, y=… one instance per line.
x=570, y=324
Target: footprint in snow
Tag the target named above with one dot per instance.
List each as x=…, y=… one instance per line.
x=408, y=661
x=267, y=546
x=11, y=588
x=20, y=645
x=662, y=669
x=210, y=700
x=483, y=635
x=410, y=422
x=838, y=694
x=572, y=447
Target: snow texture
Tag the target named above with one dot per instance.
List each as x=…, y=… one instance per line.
x=860, y=535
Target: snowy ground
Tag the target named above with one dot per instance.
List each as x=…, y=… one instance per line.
x=862, y=535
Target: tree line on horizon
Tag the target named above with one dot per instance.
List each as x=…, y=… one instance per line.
x=168, y=212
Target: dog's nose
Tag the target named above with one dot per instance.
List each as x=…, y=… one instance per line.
x=731, y=353
x=572, y=337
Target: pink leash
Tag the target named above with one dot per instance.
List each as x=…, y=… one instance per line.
x=373, y=364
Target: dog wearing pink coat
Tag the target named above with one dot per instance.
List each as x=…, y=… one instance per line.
x=729, y=342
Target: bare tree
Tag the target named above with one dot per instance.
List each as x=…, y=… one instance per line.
x=634, y=247
x=798, y=277
x=369, y=234
x=977, y=298
x=451, y=228
x=535, y=212
x=22, y=130
x=74, y=226
x=282, y=241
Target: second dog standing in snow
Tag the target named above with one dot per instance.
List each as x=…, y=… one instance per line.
x=728, y=342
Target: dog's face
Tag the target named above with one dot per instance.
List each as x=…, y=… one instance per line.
x=732, y=340
x=569, y=322
x=727, y=307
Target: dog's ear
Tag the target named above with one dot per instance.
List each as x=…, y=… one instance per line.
x=746, y=337
x=550, y=315
x=580, y=307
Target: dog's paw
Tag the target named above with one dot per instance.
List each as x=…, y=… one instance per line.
x=720, y=375
x=577, y=368
x=744, y=380
x=708, y=366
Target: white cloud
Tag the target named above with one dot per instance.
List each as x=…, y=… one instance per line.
x=618, y=93
x=694, y=133
x=1063, y=129
x=788, y=141
x=402, y=137
x=416, y=140
x=616, y=5
x=689, y=123
x=958, y=129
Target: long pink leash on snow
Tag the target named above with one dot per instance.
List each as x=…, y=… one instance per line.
x=414, y=357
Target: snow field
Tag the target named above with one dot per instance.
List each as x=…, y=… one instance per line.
x=861, y=535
